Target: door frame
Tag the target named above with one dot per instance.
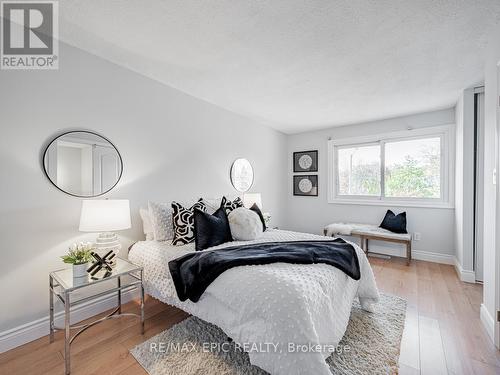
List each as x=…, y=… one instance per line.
x=478, y=256
x=496, y=317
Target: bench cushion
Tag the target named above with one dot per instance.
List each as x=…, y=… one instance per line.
x=359, y=229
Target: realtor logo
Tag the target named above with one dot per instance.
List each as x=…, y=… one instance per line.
x=30, y=37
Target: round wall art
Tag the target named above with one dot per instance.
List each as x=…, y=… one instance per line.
x=241, y=175
x=306, y=185
x=305, y=161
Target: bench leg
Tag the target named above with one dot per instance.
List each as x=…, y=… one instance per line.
x=408, y=253
x=363, y=242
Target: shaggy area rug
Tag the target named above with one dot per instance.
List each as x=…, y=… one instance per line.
x=373, y=339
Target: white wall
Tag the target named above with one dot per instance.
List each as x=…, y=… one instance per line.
x=464, y=184
x=173, y=147
x=312, y=213
x=491, y=289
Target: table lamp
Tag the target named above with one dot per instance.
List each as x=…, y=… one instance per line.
x=250, y=198
x=105, y=216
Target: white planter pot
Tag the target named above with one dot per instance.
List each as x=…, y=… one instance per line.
x=80, y=270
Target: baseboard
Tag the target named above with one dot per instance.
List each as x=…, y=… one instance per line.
x=464, y=275
x=415, y=254
x=433, y=257
x=25, y=333
x=396, y=250
x=488, y=322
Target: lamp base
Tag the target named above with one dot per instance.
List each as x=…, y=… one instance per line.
x=108, y=241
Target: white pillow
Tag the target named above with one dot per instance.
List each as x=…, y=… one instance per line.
x=147, y=226
x=245, y=224
x=161, y=220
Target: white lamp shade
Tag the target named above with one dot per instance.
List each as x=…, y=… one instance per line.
x=105, y=215
x=250, y=198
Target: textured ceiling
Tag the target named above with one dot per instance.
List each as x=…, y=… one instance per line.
x=295, y=65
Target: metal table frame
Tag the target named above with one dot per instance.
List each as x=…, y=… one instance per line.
x=64, y=295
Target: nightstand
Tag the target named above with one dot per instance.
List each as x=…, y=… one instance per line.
x=62, y=285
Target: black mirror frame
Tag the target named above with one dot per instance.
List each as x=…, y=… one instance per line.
x=88, y=132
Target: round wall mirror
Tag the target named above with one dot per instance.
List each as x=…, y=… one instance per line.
x=82, y=164
x=242, y=175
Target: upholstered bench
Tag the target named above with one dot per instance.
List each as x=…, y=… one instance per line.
x=369, y=232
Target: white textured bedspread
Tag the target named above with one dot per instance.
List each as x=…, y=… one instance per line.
x=277, y=305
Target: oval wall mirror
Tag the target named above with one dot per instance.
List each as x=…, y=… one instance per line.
x=82, y=164
x=242, y=175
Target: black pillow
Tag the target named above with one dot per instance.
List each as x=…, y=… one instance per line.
x=257, y=210
x=211, y=230
x=394, y=223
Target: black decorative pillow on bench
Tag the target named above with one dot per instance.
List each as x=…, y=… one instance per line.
x=394, y=223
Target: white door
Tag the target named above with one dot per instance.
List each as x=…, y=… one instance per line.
x=107, y=167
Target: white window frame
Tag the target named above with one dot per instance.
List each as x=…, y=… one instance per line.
x=447, y=168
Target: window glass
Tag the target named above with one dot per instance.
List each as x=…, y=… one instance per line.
x=359, y=170
x=413, y=168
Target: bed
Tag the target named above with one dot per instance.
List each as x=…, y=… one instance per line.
x=280, y=303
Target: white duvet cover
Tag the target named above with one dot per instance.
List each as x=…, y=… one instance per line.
x=280, y=307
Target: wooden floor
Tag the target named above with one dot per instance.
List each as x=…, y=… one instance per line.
x=443, y=333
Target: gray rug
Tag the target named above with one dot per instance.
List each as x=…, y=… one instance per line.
x=373, y=338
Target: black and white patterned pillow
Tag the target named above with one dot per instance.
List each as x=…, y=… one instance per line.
x=183, y=222
x=231, y=205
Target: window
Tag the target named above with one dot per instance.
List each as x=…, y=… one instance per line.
x=395, y=167
x=413, y=168
x=359, y=170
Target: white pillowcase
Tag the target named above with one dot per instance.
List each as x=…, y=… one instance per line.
x=161, y=220
x=245, y=224
x=147, y=226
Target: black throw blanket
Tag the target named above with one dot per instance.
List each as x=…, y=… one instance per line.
x=194, y=272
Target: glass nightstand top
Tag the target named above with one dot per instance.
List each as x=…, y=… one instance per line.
x=65, y=279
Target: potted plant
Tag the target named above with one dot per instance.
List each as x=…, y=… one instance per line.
x=79, y=255
x=267, y=217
